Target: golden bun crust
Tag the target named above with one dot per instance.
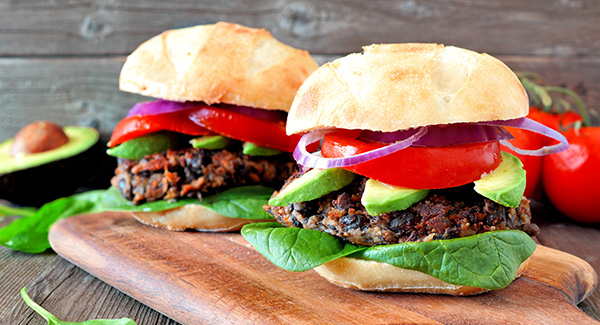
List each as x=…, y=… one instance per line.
x=370, y=275
x=193, y=217
x=220, y=63
x=392, y=87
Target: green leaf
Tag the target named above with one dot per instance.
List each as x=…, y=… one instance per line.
x=295, y=249
x=489, y=260
x=244, y=202
x=52, y=320
x=10, y=211
x=30, y=234
x=241, y=202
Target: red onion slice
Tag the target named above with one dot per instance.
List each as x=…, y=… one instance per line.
x=161, y=106
x=445, y=135
x=311, y=160
x=532, y=126
x=259, y=113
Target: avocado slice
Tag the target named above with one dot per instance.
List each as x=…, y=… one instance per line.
x=312, y=185
x=506, y=184
x=251, y=149
x=211, y=142
x=37, y=178
x=140, y=147
x=380, y=198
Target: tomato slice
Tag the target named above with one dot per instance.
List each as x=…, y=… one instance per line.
x=204, y=119
x=136, y=126
x=266, y=133
x=417, y=167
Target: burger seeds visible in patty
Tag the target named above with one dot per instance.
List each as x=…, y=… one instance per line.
x=443, y=214
x=195, y=172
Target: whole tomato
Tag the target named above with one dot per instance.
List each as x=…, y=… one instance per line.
x=554, y=120
x=572, y=177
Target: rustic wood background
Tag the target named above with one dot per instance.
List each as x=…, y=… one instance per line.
x=60, y=60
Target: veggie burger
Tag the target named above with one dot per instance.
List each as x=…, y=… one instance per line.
x=216, y=133
x=403, y=186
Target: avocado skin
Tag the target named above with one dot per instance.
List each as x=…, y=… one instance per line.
x=40, y=184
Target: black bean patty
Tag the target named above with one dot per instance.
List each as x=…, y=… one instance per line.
x=194, y=172
x=443, y=214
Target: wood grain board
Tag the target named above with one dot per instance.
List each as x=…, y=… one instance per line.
x=219, y=278
x=98, y=27
x=81, y=91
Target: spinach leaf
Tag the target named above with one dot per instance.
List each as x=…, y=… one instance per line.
x=295, y=249
x=244, y=202
x=31, y=234
x=489, y=260
x=10, y=211
x=241, y=202
x=52, y=320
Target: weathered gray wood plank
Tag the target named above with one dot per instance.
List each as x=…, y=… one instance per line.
x=83, y=91
x=567, y=28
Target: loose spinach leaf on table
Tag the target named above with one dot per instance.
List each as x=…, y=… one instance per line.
x=31, y=234
x=52, y=320
x=10, y=211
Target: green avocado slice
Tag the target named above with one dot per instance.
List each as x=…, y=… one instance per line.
x=312, y=185
x=251, y=149
x=212, y=142
x=138, y=148
x=506, y=184
x=380, y=198
x=80, y=139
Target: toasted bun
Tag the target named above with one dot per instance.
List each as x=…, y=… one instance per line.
x=393, y=87
x=370, y=275
x=220, y=63
x=192, y=216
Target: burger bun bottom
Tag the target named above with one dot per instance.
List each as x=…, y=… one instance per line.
x=370, y=275
x=192, y=217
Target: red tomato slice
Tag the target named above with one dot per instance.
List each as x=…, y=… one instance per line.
x=136, y=126
x=204, y=119
x=267, y=133
x=418, y=167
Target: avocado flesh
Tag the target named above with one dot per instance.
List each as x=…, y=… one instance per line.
x=210, y=142
x=381, y=198
x=312, y=185
x=506, y=184
x=251, y=149
x=32, y=180
x=80, y=139
x=140, y=147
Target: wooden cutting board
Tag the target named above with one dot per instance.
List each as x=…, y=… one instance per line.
x=197, y=277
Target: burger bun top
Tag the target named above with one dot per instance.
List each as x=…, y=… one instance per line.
x=392, y=87
x=220, y=63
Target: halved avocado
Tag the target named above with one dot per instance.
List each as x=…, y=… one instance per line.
x=34, y=179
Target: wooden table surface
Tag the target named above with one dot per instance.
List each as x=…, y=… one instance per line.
x=74, y=295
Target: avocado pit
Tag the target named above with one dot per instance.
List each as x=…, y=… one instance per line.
x=36, y=137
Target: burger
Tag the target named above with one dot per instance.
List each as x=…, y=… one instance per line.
x=403, y=186
x=211, y=148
